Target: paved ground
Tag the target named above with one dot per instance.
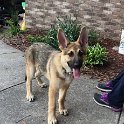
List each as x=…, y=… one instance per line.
x=14, y=108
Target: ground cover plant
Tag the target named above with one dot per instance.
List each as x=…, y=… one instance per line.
x=96, y=55
x=13, y=24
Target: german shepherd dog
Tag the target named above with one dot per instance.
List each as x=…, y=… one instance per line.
x=60, y=67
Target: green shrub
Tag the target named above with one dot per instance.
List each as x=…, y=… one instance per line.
x=92, y=37
x=34, y=39
x=14, y=28
x=69, y=26
x=96, y=55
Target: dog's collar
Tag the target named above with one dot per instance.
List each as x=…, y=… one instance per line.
x=66, y=74
x=69, y=73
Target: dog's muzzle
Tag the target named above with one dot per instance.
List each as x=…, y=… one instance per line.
x=75, y=66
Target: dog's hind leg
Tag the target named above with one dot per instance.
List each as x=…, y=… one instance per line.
x=40, y=82
x=30, y=69
x=38, y=78
x=62, y=95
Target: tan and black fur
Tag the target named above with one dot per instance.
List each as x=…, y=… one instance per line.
x=60, y=67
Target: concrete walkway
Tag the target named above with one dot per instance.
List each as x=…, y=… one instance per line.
x=14, y=108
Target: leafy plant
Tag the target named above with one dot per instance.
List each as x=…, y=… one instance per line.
x=34, y=39
x=13, y=24
x=92, y=37
x=96, y=55
x=70, y=27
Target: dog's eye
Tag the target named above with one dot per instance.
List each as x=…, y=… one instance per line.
x=80, y=53
x=71, y=54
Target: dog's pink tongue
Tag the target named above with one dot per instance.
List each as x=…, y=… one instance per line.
x=76, y=73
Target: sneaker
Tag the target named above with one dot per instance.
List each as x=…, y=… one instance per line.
x=105, y=87
x=102, y=100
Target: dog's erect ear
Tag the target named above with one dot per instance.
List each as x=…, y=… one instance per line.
x=62, y=39
x=83, y=37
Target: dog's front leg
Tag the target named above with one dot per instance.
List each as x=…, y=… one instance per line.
x=29, y=73
x=52, y=105
x=62, y=95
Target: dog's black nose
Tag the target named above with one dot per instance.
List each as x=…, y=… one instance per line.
x=77, y=64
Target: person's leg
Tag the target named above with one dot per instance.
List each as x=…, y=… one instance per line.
x=117, y=78
x=116, y=96
x=114, y=99
x=108, y=86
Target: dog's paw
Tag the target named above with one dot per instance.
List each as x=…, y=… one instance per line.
x=63, y=112
x=43, y=85
x=52, y=120
x=30, y=98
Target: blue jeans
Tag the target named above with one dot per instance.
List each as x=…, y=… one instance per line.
x=116, y=96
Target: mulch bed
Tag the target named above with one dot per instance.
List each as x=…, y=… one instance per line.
x=102, y=73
